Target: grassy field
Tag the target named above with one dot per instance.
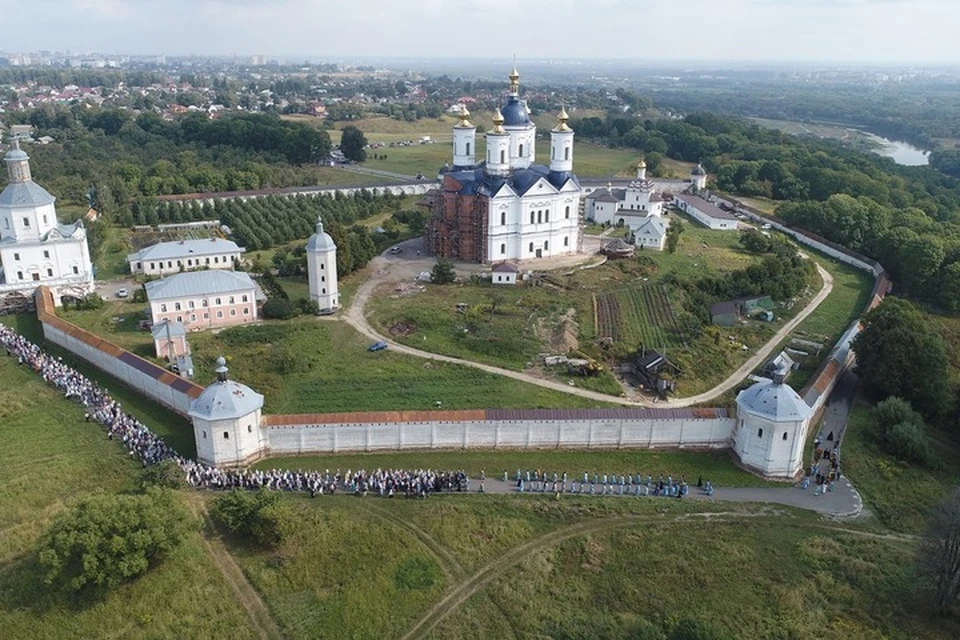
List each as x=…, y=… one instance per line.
x=50, y=458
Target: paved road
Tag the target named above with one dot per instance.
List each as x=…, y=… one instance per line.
x=386, y=271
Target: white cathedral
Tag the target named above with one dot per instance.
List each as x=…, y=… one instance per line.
x=507, y=207
x=322, y=270
x=35, y=249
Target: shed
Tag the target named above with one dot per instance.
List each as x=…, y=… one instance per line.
x=724, y=314
x=618, y=249
x=505, y=273
x=649, y=368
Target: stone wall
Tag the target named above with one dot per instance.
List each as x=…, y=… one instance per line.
x=151, y=380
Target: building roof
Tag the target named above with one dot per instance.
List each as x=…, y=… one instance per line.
x=604, y=195
x=777, y=402
x=618, y=246
x=705, y=207
x=24, y=194
x=506, y=267
x=515, y=113
x=184, y=249
x=723, y=308
x=168, y=329
x=654, y=225
x=476, y=181
x=321, y=240
x=198, y=283
x=698, y=170
x=225, y=400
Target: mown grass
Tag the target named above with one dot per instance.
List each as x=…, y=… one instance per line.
x=49, y=459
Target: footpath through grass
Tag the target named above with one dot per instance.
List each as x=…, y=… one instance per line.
x=49, y=459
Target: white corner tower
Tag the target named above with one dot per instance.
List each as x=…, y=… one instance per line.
x=642, y=169
x=698, y=176
x=498, y=147
x=464, y=141
x=561, y=145
x=322, y=270
x=226, y=422
x=772, y=425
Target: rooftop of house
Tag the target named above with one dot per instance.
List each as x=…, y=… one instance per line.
x=196, y=284
x=185, y=248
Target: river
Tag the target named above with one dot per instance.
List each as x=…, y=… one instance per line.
x=901, y=152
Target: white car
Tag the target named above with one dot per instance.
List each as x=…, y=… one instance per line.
x=396, y=250
x=122, y=293
x=766, y=227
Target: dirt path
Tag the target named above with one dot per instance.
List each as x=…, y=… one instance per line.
x=260, y=618
x=355, y=316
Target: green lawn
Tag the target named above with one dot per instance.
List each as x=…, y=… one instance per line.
x=49, y=459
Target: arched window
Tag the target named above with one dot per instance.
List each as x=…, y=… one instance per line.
x=566, y=153
x=249, y=428
x=321, y=266
x=216, y=301
x=567, y=213
x=531, y=217
x=324, y=291
x=546, y=215
x=49, y=273
x=503, y=218
x=503, y=156
x=232, y=300
x=176, y=306
x=539, y=216
x=468, y=149
x=759, y=433
x=521, y=149
x=784, y=436
x=531, y=247
x=503, y=249
x=226, y=435
x=546, y=245
x=163, y=308
x=566, y=241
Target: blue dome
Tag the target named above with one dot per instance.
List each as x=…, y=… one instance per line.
x=515, y=113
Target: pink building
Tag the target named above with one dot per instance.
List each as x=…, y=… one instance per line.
x=170, y=340
x=203, y=299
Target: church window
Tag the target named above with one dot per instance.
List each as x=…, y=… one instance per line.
x=233, y=312
x=546, y=215
x=26, y=222
x=566, y=153
x=531, y=247
x=193, y=317
x=216, y=259
x=204, y=435
x=44, y=218
x=321, y=266
x=19, y=275
x=503, y=218
x=503, y=156
x=249, y=428
x=503, y=249
x=759, y=433
x=16, y=256
x=231, y=300
x=163, y=308
x=468, y=149
x=206, y=316
x=784, y=436
x=46, y=254
x=179, y=263
x=246, y=311
x=179, y=318
x=190, y=304
x=243, y=298
x=153, y=265
x=36, y=276
x=170, y=264
x=226, y=435
x=203, y=302
x=567, y=213
x=566, y=241
x=323, y=278
x=323, y=291
x=546, y=245
x=531, y=217
x=539, y=216
x=521, y=150
x=176, y=306
x=216, y=301
x=206, y=260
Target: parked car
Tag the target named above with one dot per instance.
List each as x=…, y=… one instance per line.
x=766, y=227
x=377, y=346
x=122, y=293
x=396, y=250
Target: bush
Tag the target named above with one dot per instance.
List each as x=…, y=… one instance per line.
x=307, y=306
x=166, y=474
x=901, y=431
x=279, y=309
x=256, y=334
x=106, y=540
x=258, y=515
x=443, y=272
x=90, y=302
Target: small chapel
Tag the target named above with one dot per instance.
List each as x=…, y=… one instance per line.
x=505, y=206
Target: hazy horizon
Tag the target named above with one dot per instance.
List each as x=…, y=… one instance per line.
x=712, y=32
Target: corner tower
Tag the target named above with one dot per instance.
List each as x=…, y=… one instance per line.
x=226, y=422
x=561, y=145
x=322, y=270
x=464, y=141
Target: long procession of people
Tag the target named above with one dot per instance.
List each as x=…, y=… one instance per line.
x=149, y=448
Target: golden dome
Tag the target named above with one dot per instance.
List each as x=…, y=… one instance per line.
x=514, y=79
x=642, y=164
x=464, y=116
x=497, y=122
x=562, y=118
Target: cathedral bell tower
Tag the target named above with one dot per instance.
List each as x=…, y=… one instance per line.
x=464, y=141
x=561, y=145
x=498, y=147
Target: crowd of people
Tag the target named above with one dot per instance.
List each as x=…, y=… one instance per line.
x=149, y=448
x=824, y=471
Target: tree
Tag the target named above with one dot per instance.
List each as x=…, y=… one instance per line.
x=258, y=515
x=443, y=272
x=352, y=143
x=940, y=551
x=901, y=431
x=899, y=354
x=673, y=234
x=106, y=540
x=279, y=309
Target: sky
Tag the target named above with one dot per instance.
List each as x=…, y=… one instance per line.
x=898, y=31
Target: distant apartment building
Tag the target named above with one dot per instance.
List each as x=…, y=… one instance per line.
x=203, y=299
x=185, y=255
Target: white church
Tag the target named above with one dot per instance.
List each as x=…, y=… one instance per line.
x=322, y=270
x=35, y=249
x=507, y=206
